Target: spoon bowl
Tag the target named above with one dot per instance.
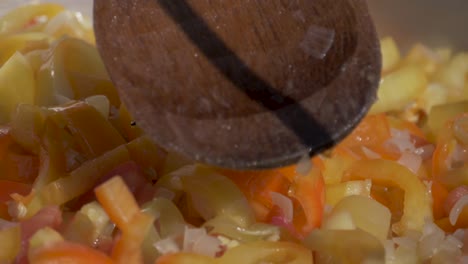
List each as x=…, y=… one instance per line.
x=241, y=84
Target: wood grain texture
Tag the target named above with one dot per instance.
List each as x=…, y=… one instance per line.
x=241, y=83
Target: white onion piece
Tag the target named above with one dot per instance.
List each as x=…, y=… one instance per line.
x=207, y=245
x=285, y=204
x=227, y=242
x=198, y=241
x=191, y=235
x=431, y=228
x=317, y=41
x=457, y=209
x=401, y=139
x=401, y=134
x=411, y=161
x=429, y=244
x=459, y=234
x=453, y=241
x=436, y=245
x=425, y=152
x=167, y=246
x=370, y=154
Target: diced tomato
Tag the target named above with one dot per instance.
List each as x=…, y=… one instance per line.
x=305, y=191
x=257, y=186
x=309, y=190
x=373, y=130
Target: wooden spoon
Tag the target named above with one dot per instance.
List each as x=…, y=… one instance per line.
x=243, y=84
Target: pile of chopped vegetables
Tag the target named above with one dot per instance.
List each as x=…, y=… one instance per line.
x=80, y=181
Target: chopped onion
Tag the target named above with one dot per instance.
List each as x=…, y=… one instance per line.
x=227, y=242
x=411, y=161
x=285, y=204
x=207, y=245
x=370, y=154
x=457, y=209
x=454, y=241
x=432, y=238
x=191, y=235
x=400, y=134
x=459, y=234
x=401, y=140
x=167, y=246
x=197, y=240
x=425, y=152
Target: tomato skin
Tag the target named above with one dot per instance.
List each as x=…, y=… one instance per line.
x=372, y=131
x=439, y=196
x=307, y=193
x=309, y=190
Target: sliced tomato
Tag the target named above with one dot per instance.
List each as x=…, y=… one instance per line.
x=305, y=191
x=372, y=131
